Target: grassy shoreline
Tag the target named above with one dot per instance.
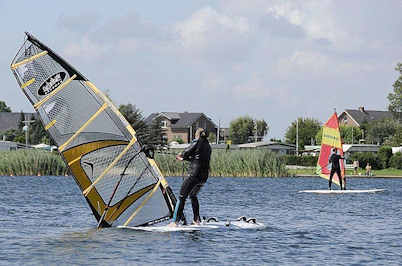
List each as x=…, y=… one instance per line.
x=232, y=163
x=246, y=163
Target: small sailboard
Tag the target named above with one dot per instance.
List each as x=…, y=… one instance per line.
x=326, y=191
x=332, y=142
x=167, y=228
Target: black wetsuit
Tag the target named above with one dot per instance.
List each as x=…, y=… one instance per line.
x=199, y=155
x=336, y=168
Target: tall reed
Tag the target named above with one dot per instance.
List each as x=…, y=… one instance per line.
x=245, y=163
x=31, y=162
x=238, y=163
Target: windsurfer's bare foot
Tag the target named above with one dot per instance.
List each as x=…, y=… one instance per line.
x=172, y=224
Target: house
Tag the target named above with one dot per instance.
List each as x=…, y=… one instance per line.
x=11, y=146
x=313, y=150
x=356, y=118
x=10, y=120
x=182, y=126
x=8, y=145
x=277, y=147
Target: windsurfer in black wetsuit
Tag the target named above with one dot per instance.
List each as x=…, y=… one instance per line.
x=336, y=168
x=199, y=154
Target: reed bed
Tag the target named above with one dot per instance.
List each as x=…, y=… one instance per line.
x=31, y=162
x=238, y=163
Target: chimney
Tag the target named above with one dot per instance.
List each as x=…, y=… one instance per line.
x=361, y=109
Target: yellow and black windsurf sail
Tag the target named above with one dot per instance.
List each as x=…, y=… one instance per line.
x=120, y=183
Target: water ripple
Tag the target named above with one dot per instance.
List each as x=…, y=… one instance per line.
x=45, y=220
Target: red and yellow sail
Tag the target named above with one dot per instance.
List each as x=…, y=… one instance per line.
x=331, y=138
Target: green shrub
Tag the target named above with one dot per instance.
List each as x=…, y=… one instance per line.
x=396, y=160
x=306, y=160
x=367, y=157
x=384, y=155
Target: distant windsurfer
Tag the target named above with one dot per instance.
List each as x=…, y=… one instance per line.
x=336, y=168
x=199, y=154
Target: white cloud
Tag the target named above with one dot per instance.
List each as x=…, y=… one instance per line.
x=315, y=17
x=86, y=49
x=258, y=88
x=209, y=32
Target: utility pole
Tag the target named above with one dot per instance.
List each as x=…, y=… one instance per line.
x=256, y=131
x=26, y=129
x=219, y=131
x=297, y=136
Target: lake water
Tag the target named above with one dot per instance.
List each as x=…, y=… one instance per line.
x=45, y=220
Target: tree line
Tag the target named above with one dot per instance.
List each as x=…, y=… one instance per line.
x=246, y=129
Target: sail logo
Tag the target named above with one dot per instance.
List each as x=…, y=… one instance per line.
x=51, y=83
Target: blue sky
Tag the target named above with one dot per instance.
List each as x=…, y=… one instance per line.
x=274, y=60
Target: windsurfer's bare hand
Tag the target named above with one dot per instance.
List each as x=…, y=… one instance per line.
x=179, y=157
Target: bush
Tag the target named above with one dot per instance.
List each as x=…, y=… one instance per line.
x=306, y=160
x=396, y=160
x=367, y=157
x=384, y=155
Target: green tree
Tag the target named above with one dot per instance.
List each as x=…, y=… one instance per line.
x=262, y=128
x=155, y=133
x=135, y=119
x=395, y=98
x=14, y=135
x=349, y=134
x=396, y=138
x=380, y=131
x=308, y=128
x=4, y=107
x=241, y=129
x=38, y=134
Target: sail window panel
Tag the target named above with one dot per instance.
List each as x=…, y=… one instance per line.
x=137, y=177
x=72, y=107
x=96, y=162
x=43, y=69
x=151, y=211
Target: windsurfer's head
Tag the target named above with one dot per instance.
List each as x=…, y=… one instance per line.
x=200, y=133
x=334, y=150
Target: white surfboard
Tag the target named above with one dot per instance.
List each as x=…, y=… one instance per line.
x=240, y=223
x=166, y=228
x=326, y=191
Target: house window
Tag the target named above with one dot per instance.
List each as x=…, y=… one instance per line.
x=164, y=124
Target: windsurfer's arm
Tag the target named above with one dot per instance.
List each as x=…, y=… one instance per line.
x=188, y=152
